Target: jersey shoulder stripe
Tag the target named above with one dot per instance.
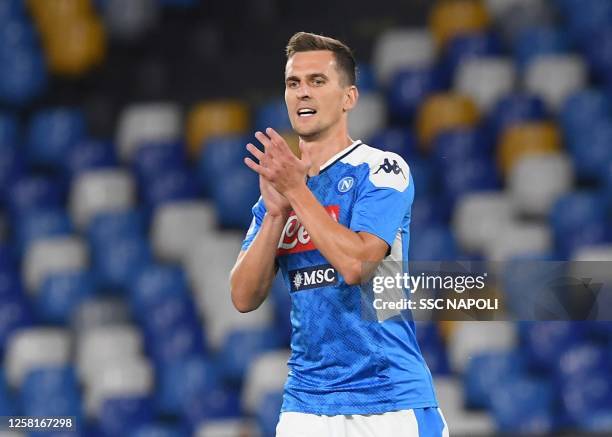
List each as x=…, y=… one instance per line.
x=386, y=169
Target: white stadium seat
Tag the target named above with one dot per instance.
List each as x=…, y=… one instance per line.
x=100, y=347
x=147, y=122
x=99, y=191
x=485, y=80
x=28, y=349
x=469, y=338
x=478, y=216
x=555, y=77
x=226, y=428
x=536, y=181
x=368, y=117
x=268, y=373
x=519, y=238
x=98, y=312
x=52, y=255
x=461, y=422
x=126, y=378
x=208, y=265
x=176, y=226
x=498, y=8
x=402, y=48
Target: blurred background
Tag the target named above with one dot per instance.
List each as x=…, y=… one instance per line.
x=124, y=200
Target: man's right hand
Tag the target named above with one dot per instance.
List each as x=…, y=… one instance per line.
x=276, y=204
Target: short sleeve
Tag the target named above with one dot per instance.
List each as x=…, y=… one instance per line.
x=385, y=197
x=259, y=211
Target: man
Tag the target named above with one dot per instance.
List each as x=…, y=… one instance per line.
x=322, y=218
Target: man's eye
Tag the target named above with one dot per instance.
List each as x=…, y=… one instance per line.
x=292, y=84
x=319, y=82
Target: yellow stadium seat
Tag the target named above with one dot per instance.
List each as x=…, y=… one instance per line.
x=51, y=14
x=454, y=17
x=75, y=47
x=293, y=141
x=444, y=111
x=208, y=119
x=526, y=139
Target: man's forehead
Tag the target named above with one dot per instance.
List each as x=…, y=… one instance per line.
x=304, y=63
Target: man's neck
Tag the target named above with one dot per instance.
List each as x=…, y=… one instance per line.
x=321, y=150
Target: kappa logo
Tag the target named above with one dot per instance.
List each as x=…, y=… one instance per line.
x=387, y=167
x=295, y=238
x=313, y=277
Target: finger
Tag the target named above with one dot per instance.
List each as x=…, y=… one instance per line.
x=257, y=168
x=263, y=139
x=277, y=140
x=255, y=151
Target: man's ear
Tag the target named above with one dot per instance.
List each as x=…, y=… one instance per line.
x=350, y=98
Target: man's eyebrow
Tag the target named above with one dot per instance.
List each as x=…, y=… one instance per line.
x=309, y=76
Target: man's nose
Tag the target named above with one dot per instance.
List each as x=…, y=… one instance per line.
x=303, y=91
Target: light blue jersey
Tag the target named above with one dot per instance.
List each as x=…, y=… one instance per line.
x=342, y=363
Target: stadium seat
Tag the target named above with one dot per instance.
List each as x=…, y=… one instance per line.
x=130, y=378
x=23, y=76
x=223, y=428
x=585, y=397
x=52, y=133
x=50, y=391
x=526, y=139
x=99, y=311
x=122, y=414
x=52, y=255
x=433, y=243
x=273, y=114
x=89, y=155
x=267, y=373
x=486, y=370
x=214, y=118
x=61, y=293
x=97, y=191
x=407, y=88
x=233, y=196
x=369, y=116
x=15, y=315
x=33, y=191
x=453, y=146
x=40, y=223
x=468, y=46
x=442, y=112
x=119, y=259
x=400, y=48
x=519, y=238
x=525, y=15
x=9, y=129
x=397, y=140
x=591, y=151
x=160, y=430
x=514, y=109
x=585, y=18
x=179, y=339
x=12, y=9
x=181, y=380
x=207, y=264
x=582, y=109
x=535, y=182
x=99, y=347
x=538, y=41
x=432, y=347
x=151, y=160
x=17, y=33
x=523, y=405
x=448, y=19
x=555, y=77
x=144, y=123
x=115, y=224
x=485, y=80
x=221, y=155
x=365, y=80
x=131, y=22
x=478, y=216
x=32, y=348
x=268, y=413
x=177, y=225
x=498, y=8
x=470, y=338
x=155, y=282
x=578, y=220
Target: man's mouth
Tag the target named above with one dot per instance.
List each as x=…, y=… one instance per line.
x=306, y=112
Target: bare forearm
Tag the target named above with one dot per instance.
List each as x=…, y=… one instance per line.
x=252, y=276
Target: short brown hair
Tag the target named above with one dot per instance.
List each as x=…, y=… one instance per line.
x=307, y=42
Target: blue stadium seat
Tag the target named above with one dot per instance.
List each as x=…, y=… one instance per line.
x=523, y=405
x=591, y=151
x=422, y=171
x=11, y=9
x=582, y=109
x=160, y=430
x=515, y=108
x=586, y=395
x=121, y=415
x=51, y=391
x=117, y=259
x=599, y=54
x=474, y=174
x=407, y=90
x=242, y=346
x=51, y=135
x=115, y=224
x=168, y=186
x=183, y=379
x=14, y=314
x=17, y=34
x=8, y=405
x=427, y=211
x=578, y=220
x=586, y=17
x=180, y=340
x=221, y=155
x=33, y=192
x=433, y=348
x=538, y=41
x=152, y=160
x=452, y=147
x=432, y=243
x=581, y=360
x=543, y=343
x=61, y=293
x=366, y=79
x=90, y=154
x=154, y=283
x=234, y=193
x=272, y=114
x=221, y=403
x=397, y=140
x=268, y=412
x=11, y=168
x=486, y=371
x=466, y=46
x=168, y=312
x=23, y=76
x=9, y=130
x=10, y=283
x=40, y=223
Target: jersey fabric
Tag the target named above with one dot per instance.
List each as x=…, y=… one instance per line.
x=342, y=363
